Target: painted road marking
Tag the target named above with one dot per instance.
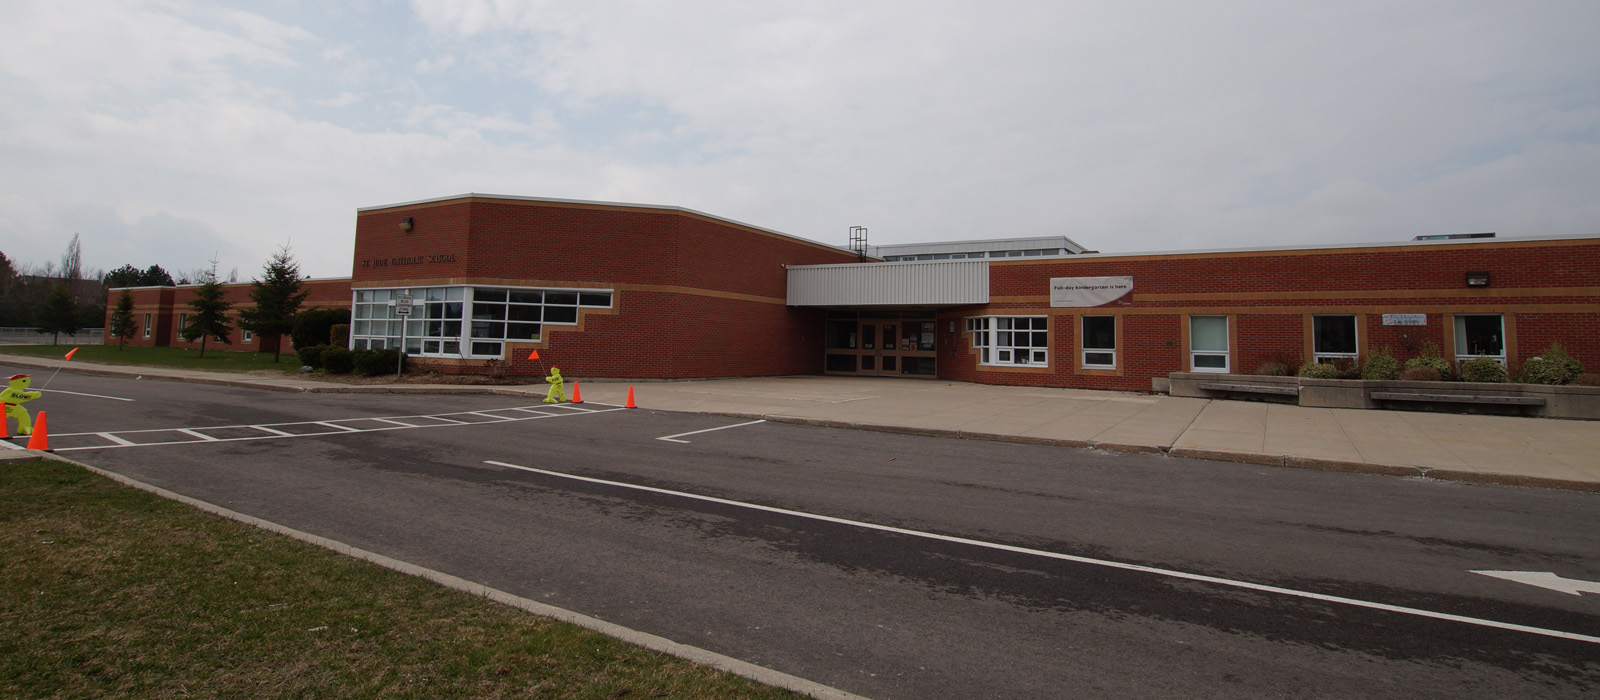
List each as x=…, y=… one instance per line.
x=92, y=396
x=1077, y=559
x=670, y=438
x=119, y=439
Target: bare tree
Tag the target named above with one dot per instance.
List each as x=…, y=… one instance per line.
x=72, y=260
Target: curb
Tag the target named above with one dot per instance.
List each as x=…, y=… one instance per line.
x=745, y=669
x=1290, y=461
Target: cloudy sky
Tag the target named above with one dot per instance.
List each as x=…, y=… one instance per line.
x=170, y=132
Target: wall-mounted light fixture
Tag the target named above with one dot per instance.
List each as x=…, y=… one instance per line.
x=406, y=223
x=1479, y=278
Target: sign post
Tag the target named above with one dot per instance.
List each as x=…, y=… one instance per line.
x=402, y=308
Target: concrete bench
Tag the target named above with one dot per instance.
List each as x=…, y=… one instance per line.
x=1457, y=398
x=1279, y=389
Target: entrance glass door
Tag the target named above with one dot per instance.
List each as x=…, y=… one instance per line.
x=880, y=345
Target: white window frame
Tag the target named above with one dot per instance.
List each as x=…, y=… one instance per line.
x=1463, y=351
x=1328, y=357
x=147, y=325
x=1086, y=351
x=1225, y=353
x=452, y=321
x=995, y=338
x=245, y=335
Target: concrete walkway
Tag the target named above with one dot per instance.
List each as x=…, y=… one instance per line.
x=1506, y=450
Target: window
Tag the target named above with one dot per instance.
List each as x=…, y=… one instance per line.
x=245, y=335
x=1333, y=338
x=1100, y=342
x=1208, y=343
x=465, y=321
x=1480, y=336
x=1011, y=340
x=147, y=325
x=183, y=322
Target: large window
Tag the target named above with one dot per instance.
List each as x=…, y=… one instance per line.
x=1011, y=340
x=1100, y=342
x=470, y=322
x=1208, y=343
x=1480, y=336
x=1333, y=338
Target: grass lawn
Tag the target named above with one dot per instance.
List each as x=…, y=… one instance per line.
x=108, y=591
x=183, y=358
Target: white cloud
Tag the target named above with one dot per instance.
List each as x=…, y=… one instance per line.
x=1145, y=126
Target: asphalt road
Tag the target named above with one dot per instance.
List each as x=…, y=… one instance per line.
x=897, y=566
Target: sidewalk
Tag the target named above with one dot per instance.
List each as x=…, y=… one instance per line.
x=1494, y=449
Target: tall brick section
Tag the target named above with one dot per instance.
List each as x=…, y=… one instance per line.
x=693, y=295
x=1546, y=290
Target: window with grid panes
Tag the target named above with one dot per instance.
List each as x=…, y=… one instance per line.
x=1011, y=340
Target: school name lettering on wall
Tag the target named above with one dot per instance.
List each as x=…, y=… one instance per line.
x=1405, y=319
x=409, y=260
x=1088, y=291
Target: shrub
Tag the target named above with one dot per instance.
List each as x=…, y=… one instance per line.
x=314, y=326
x=312, y=356
x=1483, y=369
x=1381, y=366
x=339, y=335
x=375, y=362
x=1587, y=379
x=1419, y=373
x=1317, y=370
x=1438, y=364
x=1346, y=368
x=336, y=360
x=1288, y=360
x=1273, y=369
x=1553, y=366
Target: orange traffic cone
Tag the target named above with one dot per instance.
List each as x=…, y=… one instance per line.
x=630, y=404
x=576, y=397
x=41, y=438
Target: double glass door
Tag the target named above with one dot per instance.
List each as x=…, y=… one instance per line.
x=881, y=347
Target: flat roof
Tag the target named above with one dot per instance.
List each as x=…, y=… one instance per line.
x=597, y=203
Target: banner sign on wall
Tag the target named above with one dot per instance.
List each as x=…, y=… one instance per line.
x=1088, y=291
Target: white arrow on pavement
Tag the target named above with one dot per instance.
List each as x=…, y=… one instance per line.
x=1546, y=579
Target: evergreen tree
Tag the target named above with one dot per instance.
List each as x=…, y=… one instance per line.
x=125, y=276
x=122, y=325
x=156, y=277
x=210, y=317
x=277, y=296
x=59, y=313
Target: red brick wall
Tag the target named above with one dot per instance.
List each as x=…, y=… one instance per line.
x=694, y=296
x=166, y=304
x=1547, y=290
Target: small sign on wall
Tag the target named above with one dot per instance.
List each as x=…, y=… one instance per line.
x=1405, y=319
x=1088, y=291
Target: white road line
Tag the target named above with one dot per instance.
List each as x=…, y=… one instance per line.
x=275, y=434
x=669, y=438
x=488, y=415
x=1081, y=560
x=92, y=396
